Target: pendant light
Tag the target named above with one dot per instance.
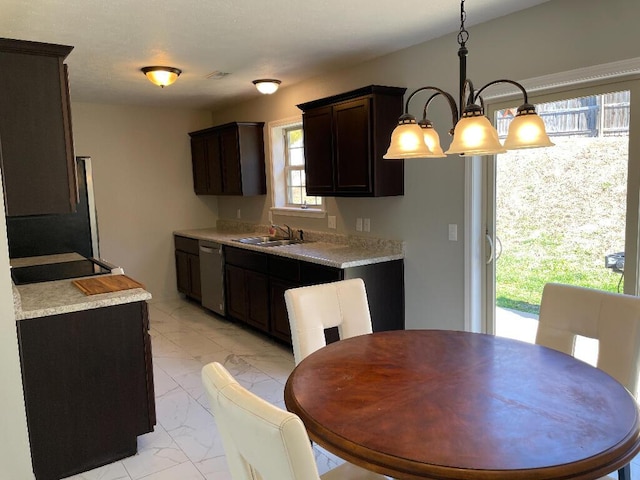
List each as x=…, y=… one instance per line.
x=161, y=76
x=472, y=131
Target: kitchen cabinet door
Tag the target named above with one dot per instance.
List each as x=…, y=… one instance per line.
x=194, y=277
x=230, y=162
x=199, y=165
x=280, y=327
x=188, y=267
x=215, y=179
x=345, y=138
x=352, y=147
x=183, y=276
x=235, y=292
x=257, y=300
x=318, y=151
x=247, y=296
x=37, y=159
x=229, y=159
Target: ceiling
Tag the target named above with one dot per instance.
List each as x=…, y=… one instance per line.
x=248, y=39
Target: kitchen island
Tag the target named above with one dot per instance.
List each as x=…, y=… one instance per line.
x=87, y=375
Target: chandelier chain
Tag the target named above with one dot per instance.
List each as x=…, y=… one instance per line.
x=463, y=35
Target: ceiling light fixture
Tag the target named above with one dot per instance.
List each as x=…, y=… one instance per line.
x=472, y=132
x=267, y=85
x=161, y=76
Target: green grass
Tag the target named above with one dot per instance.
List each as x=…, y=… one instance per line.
x=520, y=278
x=559, y=212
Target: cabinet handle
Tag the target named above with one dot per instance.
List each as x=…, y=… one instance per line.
x=206, y=250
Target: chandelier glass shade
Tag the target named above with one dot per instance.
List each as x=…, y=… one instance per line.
x=472, y=131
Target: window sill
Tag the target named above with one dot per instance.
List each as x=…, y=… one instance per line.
x=299, y=212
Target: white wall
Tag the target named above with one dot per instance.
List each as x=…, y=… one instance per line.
x=556, y=36
x=143, y=185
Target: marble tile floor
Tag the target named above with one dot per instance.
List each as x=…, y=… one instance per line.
x=185, y=444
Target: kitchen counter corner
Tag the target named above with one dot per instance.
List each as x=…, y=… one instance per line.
x=62, y=296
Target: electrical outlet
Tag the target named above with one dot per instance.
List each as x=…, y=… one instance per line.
x=367, y=225
x=270, y=217
x=358, y=224
x=332, y=221
x=238, y=214
x=453, y=232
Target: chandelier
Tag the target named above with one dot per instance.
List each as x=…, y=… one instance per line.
x=472, y=132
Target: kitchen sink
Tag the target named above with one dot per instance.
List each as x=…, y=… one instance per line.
x=256, y=240
x=266, y=241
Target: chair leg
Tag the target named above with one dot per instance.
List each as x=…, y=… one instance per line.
x=625, y=472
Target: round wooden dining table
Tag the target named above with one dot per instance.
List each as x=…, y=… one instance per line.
x=443, y=404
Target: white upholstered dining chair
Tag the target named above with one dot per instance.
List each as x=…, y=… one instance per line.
x=612, y=318
x=262, y=441
x=312, y=309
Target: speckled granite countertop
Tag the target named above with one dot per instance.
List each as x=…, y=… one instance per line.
x=332, y=250
x=62, y=296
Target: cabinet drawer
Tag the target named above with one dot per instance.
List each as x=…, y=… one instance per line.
x=255, y=261
x=312, y=273
x=284, y=268
x=189, y=245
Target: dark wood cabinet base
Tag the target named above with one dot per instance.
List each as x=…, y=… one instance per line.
x=88, y=387
x=250, y=274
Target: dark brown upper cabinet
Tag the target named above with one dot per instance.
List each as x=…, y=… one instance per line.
x=38, y=164
x=229, y=159
x=345, y=137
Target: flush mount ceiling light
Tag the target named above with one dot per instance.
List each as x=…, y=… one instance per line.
x=267, y=85
x=161, y=76
x=472, y=132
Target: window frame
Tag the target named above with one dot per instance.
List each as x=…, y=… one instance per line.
x=278, y=172
x=288, y=168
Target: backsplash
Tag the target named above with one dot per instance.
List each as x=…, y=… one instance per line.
x=392, y=246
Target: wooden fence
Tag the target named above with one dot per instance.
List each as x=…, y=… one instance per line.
x=597, y=115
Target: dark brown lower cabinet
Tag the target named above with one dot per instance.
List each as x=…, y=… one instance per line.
x=279, y=318
x=188, y=267
x=88, y=387
x=257, y=300
x=250, y=274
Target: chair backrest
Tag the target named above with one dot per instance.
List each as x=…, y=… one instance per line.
x=312, y=309
x=611, y=318
x=261, y=441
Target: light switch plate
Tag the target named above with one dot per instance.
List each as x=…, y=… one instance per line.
x=358, y=224
x=367, y=224
x=332, y=221
x=453, y=232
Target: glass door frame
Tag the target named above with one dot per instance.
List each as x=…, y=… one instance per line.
x=483, y=230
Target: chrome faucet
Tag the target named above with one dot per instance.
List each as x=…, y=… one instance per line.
x=288, y=230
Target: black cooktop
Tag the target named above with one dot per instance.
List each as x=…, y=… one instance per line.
x=56, y=271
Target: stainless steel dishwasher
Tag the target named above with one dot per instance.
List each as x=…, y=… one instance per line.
x=212, y=276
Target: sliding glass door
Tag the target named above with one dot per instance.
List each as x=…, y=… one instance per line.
x=567, y=213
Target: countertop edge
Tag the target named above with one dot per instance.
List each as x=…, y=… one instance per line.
x=69, y=299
